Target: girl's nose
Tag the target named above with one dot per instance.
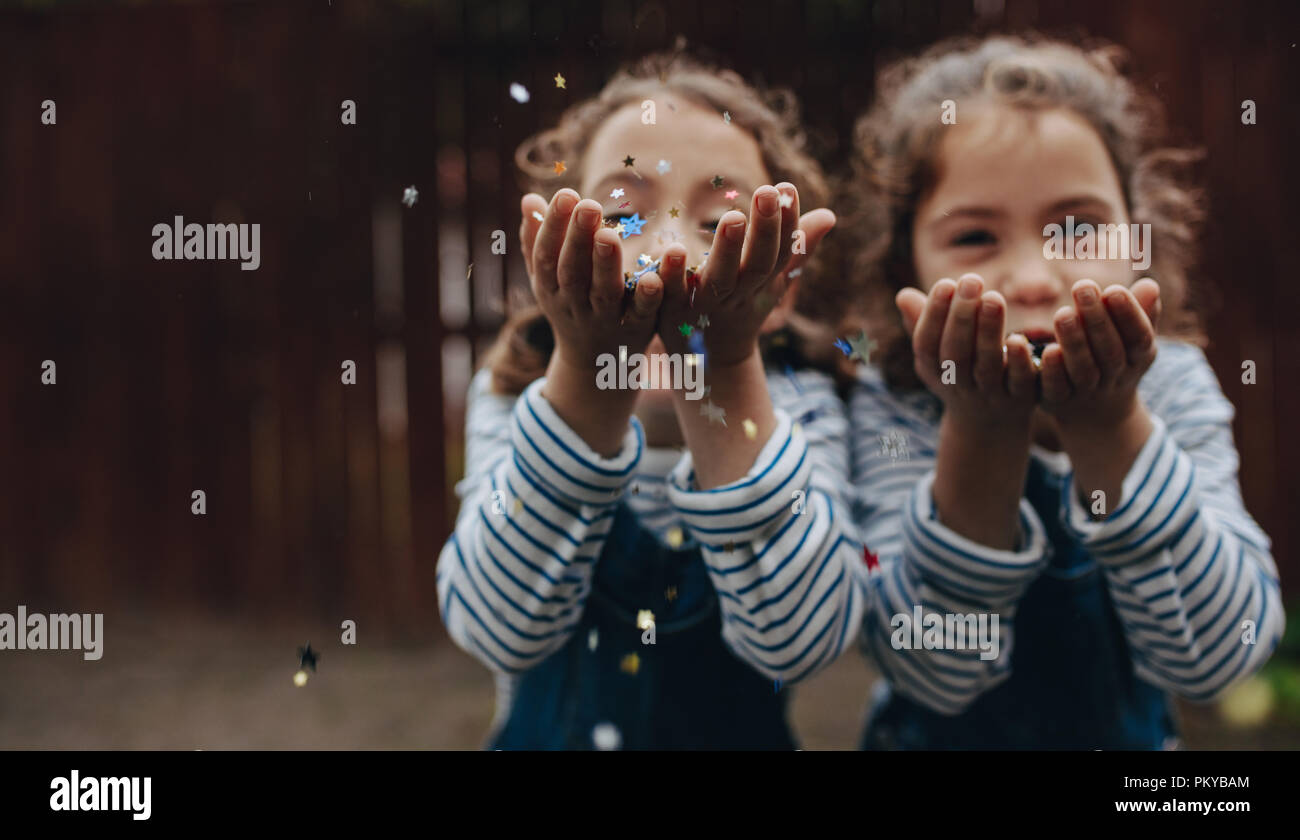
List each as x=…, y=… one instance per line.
x=1032, y=280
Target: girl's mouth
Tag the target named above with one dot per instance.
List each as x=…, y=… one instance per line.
x=1038, y=339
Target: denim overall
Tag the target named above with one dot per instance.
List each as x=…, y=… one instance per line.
x=1072, y=685
x=689, y=691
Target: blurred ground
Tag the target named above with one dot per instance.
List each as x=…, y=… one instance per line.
x=187, y=683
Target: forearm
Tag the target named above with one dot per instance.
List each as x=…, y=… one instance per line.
x=1102, y=454
x=597, y=415
x=724, y=453
x=980, y=477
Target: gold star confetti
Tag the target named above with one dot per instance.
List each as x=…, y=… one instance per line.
x=559, y=167
x=674, y=212
x=559, y=81
x=796, y=429
x=675, y=537
x=630, y=664
x=729, y=547
x=300, y=678
x=645, y=619
x=519, y=505
x=671, y=593
x=751, y=428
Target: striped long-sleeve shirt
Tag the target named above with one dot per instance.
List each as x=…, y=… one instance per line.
x=1185, y=564
x=537, y=505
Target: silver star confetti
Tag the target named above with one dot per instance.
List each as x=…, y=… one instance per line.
x=715, y=413
x=894, y=445
x=663, y=167
x=410, y=195
x=518, y=93
x=786, y=200
x=703, y=322
x=618, y=193
x=606, y=737
x=862, y=347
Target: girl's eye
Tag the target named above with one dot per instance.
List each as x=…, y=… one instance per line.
x=710, y=227
x=973, y=238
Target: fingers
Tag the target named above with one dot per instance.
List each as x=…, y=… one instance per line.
x=911, y=303
x=550, y=238
x=1136, y=332
x=929, y=329
x=990, y=323
x=607, y=290
x=1055, y=381
x=644, y=307
x=1103, y=338
x=814, y=225
x=1147, y=293
x=672, y=276
x=1020, y=375
x=1079, y=364
x=529, y=224
x=724, y=255
x=574, y=269
x=958, y=342
x=762, y=241
x=791, y=223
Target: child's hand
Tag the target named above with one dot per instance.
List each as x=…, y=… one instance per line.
x=1105, y=343
x=745, y=275
x=957, y=347
x=576, y=269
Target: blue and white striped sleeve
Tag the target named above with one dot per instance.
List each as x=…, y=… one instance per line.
x=1190, y=572
x=778, y=542
x=536, y=506
x=925, y=565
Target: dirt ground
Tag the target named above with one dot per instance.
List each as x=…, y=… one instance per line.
x=211, y=684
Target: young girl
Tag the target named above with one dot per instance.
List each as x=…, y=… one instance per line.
x=611, y=581
x=1089, y=499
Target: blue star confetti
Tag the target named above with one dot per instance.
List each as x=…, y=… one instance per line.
x=632, y=224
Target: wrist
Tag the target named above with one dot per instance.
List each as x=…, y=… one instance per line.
x=1085, y=434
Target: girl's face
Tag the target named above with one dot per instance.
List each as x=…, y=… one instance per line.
x=1003, y=175
x=671, y=184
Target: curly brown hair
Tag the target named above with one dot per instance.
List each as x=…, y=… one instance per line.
x=893, y=167
x=771, y=116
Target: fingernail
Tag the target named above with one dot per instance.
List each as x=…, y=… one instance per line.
x=989, y=308
x=968, y=288
x=1067, y=321
x=735, y=231
x=1115, y=295
x=1087, y=295
x=604, y=248
x=767, y=203
x=564, y=203
x=589, y=217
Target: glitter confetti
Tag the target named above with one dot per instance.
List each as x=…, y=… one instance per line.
x=751, y=428
x=726, y=117
x=663, y=167
x=684, y=329
x=717, y=181
x=606, y=737
x=793, y=273
x=675, y=537
x=618, y=193
x=630, y=664
x=559, y=81
x=731, y=194
x=631, y=225
x=629, y=160
x=670, y=594
x=560, y=167
x=410, y=195
x=645, y=619
x=538, y=216
x=629, y=283
x=593, y=639
x=776, y=687
x=703, y=322
x=715, y=413
x=518, y=93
